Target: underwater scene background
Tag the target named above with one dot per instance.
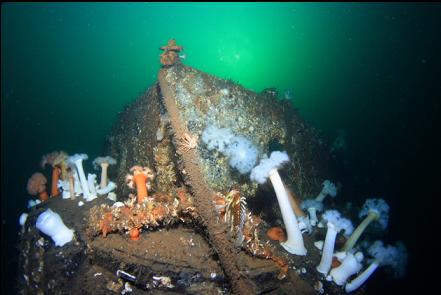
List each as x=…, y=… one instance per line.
x=367, y=75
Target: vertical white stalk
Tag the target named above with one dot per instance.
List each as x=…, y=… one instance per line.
x=294, y=243
x=77, y=185
x=328, y=250
x=71, y=187
x=91, y=179
x=312, y=215
x=103, y=182
x=83, y=180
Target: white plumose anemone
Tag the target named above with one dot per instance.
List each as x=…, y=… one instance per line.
x=51, y=224
x=312, y=206
x=77, y=160
x=217, y=138
x=91, y=182
x=351, y=265
x=104, y=163
x=328, y=189
x=395, y=257
x=241, y=152
x=374, y=210
x=260, y=173
x=335, y=224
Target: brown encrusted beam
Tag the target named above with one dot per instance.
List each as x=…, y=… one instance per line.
x=202, y=195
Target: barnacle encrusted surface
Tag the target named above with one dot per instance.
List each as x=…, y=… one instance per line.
x=166, y=175
x=160, y=209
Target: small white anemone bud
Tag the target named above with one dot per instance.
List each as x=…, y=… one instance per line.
x=312, y=206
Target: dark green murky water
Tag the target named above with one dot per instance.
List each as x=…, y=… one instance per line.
x=367, y=72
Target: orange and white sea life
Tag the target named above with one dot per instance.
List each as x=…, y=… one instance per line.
x=58, y=162
x=37, y=186
x=105, y=223
x=77, y=161
x=276, y=234
x=134, y=234
x=140, y=177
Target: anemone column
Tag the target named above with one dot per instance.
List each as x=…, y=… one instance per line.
x=78, y=161
x=294, y=243
x=260, y=173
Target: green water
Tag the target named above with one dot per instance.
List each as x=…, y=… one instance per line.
x=369, y=69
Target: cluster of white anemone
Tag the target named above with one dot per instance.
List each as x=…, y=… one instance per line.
x=351, y=257
x=88, y=187
x=374, y=210
x=49, y=222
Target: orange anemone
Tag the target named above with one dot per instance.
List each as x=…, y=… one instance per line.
x=335, y=262
x=56, y=171
x=276, y=234
x=105, y=225
x=134, y=234
x=140, y=176
x=37, y=186
x=141, y=188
